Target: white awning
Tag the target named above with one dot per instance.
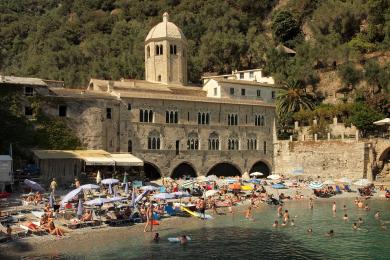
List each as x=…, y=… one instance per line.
x=126, y=159
x=98, y=160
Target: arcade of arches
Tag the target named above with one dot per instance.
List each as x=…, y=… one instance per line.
x=182, y=170
x=224, y=169
x=261, y=167
x=151, y=171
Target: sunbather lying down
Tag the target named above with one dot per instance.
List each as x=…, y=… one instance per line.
x=52, y=229
x=87, y=216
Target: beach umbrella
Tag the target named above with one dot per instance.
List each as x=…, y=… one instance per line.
x=315, y=185
x=211, y=193
x=180, y=194
x=98, y=177
x=139, y=197
x=298, y=171
x=127, y=187
x=89, y=186
x=344, y=180
x=329, y=182
x=71, y=195
x=149, y=188
x=256, y=181
x=230, y=181
x=212, y=178
x=110, y=181
x=201, y=178
x=274, y=177
x=80, y=208
x=385, y=121
x=278, y=186
x=116, y=199
x=51, y=200
x=163, y=196
x=97, y=202
x=33, y=185
x=362, y=182
x=256, y=174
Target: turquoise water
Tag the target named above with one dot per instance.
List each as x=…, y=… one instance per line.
x=234, y=237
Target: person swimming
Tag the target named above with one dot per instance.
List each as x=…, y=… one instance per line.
x=275, y=224
x=366, y=207
x=377, y=214
x=330, y=233
x=292, y=223
x=354, y=226
x=183, y=240
x=156, y=237
x=309, y=230
x=345, y=217
x=360, y=221
x=345, y=207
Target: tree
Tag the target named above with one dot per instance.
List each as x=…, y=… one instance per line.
x=349, y=74
x=285, y=27
x=363, y=117
x=293, y=97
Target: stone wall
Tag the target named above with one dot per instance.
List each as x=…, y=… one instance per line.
x=328, y=159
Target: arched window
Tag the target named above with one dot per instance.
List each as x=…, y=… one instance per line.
x=252, y=143
x=233, y=143
x=193, y=141
x=207, y=118
x=154, y=140
x=232, y=119
x=148, y=52
x=259, y=120
x=203, y=118
x=213, y=141
x=146, y=115
x=130, y=146
x=171, y=117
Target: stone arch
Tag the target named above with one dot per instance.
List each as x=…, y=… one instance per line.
x=225, y=169
x=152, y=172
x=261, y=166
x=382, y=168
x=183, y=169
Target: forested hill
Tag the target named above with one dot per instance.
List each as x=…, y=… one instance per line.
x=75, y=40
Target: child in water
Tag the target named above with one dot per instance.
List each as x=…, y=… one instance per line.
x=156, y=237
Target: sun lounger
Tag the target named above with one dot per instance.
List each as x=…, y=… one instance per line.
x=34, y=228
x=16, y=232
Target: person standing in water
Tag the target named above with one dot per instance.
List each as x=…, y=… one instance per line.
x=280, y=210
x=286, y=216
x=149, y=217
x=248, y=213
x=311, y=205
x=334, y=207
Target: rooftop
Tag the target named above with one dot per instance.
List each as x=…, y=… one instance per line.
x=165, y=29
x=22, y=81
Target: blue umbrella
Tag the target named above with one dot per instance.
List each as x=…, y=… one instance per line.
x=278, y=186
x=180, y=194
x=115, y=199
x=149, y=188
x=71, y=195
x=80, y=208
x=163, y=196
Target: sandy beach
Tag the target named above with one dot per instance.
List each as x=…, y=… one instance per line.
x=92, y=238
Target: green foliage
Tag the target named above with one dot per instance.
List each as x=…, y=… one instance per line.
x=285, y=27
x=321, y=129
x=361, y=43
x=293, y=98
x=349, y=74
x=362, y=117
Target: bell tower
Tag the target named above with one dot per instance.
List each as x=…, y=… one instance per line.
x=166, y=54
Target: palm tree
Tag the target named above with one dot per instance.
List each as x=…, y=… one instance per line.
x=293, y=97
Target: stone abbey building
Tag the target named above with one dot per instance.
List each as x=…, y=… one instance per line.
x=224, y=127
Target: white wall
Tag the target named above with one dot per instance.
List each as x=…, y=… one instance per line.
x=5, y=170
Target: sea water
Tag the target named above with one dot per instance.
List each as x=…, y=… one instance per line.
x=231, y=236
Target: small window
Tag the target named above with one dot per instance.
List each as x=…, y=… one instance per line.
x=130, y=146
x=265, y=147
x=243, y=92
x=62, y=111
x=148, y=52
x=215, y=91
x=273, y=95
x=28, y=91
x=28, y=111
x=258, y=93
x=251, y=74
x=159, y=78
x=231, y=91
x=108, y=113
x=129, y=106
x=241, y=75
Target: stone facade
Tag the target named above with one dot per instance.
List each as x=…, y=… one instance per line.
x=327, y=159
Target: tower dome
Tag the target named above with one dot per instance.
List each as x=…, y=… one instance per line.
x=165, y=29
x=166, y=54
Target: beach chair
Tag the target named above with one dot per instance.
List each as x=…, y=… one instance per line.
x=170, y=211
x=34, y=228
x=16, y=232
x=338, y=190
